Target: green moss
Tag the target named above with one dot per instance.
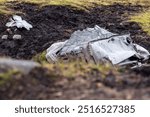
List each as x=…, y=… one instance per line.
x=143, y=19
x=79, y=68
x=88, y=2
x=4, y=77
x=40, y=57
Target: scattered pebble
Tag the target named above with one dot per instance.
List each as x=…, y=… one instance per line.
x=4, y=37
x=9, y=31
x=17, y=37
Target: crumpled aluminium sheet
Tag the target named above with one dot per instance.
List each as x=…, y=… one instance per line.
x=17, y=21
x=99, y=45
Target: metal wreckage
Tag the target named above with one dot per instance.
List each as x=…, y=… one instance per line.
x=99, y=45
x=93, y=45
x=17, y=21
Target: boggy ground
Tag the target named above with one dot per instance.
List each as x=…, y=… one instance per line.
x=57, y=23
x=44, y=84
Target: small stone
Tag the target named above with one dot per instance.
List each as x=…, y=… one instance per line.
x=24, y=66
x=5, y=37
x=9, y=31
x=17, y=37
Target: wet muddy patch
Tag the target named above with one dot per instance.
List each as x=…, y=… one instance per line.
x=57, y=23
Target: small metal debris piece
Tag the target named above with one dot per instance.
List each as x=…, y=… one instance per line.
x=4, y=37
x=17, y=37
x=19, y=23
x=99, y=45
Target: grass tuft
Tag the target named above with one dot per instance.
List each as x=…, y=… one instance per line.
x=143, y=19
x=80, y=4
x=40, y=57
x=77, y=69
x=4, y=77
